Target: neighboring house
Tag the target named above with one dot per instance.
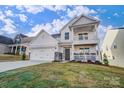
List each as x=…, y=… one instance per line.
x=18, y=45
x=113, y=46
x=77, y=40
x=4, y=42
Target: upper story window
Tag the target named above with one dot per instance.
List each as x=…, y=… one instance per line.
x=66, y=35
x=115, y=46
x=83, y=36
x=80, y=36
x=86, y=36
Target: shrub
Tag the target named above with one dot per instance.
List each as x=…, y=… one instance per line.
x=72, y=61
x=105, y=60
x=56, y=61
x=23, y=56
x=98, y=62
x=89, y=61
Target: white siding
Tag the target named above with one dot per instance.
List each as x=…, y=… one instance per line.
x=4, y=49
x=114, y=55
x=43, y=47
x=83, y=20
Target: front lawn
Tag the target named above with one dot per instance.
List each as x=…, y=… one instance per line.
x=63, y=75
x=9, y=57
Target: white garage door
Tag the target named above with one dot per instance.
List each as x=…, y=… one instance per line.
x=43, y=54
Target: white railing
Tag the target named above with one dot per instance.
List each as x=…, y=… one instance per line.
x=79, y=56
x=83, y=41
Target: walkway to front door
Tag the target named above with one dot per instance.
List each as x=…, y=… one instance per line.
x=67, y=54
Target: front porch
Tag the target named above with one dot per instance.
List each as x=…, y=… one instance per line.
x=80, y=53
x=17, y=49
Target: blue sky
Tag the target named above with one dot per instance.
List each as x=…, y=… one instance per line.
x=30, y=20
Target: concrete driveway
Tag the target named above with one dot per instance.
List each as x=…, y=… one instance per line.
x=5, y=66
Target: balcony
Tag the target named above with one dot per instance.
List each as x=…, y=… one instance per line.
x=89, y=41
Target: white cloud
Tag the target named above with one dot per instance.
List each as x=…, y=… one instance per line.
x=2, y=16
x=108, y=17
x=77, y=10
x=9, y=27
x=37, y=8
x=55, y=7
x=9, y=13
x=97, y=17
x=23, y=17
x=99, y=10
x=35, y=30
x=116, y=14
x=102, y=31
x=51, y=28
x=30, y=9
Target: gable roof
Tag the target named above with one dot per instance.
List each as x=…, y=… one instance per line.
x=41, y=31
x=76, y=18
x=70, y=22
x=26, y=39
x=93, y=20
x=5, y=40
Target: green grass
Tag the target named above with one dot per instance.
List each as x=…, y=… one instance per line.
x=63, y=75
x=8, y=57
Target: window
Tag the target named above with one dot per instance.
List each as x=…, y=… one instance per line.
x=86, y=36
x=83, y=36
x=80, y=36
x=85, y=50
x=115, y=46
x=66, y=35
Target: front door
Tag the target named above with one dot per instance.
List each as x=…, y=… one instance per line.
x=67, y=54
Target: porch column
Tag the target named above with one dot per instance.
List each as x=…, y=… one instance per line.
x=16, y=49
x=20, y=51
x=72, y=52
x=72, y=45
x=12, y=49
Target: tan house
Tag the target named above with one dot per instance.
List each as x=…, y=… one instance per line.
x=77, y=40
x=113, y=46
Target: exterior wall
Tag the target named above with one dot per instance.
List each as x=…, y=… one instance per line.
x=4, y=49
x=43, y=47
x=63, y=35
x=91, y=47
x=114, y=55
x=74, y=39
x=91, y=35
x=118, y=53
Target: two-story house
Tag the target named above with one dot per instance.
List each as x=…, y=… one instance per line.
x=77, y=41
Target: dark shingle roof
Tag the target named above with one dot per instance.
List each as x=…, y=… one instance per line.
x=55, y=36
x=26, y=39
x=5, y=40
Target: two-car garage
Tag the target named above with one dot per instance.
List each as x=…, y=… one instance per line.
x=43, y=47
x=43, y=54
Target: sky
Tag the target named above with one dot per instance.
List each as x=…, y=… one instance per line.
x=30, y=20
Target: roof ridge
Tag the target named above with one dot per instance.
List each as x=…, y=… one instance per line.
x=89, y=17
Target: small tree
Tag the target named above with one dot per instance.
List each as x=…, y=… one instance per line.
x=23, y=56
x=105, y=59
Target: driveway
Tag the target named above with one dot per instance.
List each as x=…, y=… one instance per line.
x=5, y=66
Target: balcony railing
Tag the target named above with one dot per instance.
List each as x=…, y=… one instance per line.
x=84, y=41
